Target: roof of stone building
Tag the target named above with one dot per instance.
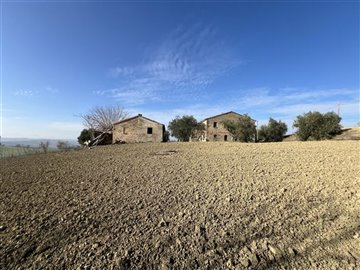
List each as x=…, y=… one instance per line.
x=134, y=117
x=221, y=115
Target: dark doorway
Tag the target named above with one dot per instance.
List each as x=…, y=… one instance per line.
x=225, y=138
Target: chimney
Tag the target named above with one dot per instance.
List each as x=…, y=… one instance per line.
x=139, y=114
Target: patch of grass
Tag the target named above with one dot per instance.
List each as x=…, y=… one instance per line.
x=14, y=151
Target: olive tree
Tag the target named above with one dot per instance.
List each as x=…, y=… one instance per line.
x=242, y=130
x=183, y=128
x=274, y=131
x=317, y=126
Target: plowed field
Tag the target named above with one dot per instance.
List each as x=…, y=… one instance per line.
x=183, y=206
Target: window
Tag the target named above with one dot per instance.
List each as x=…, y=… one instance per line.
x=149, y=130
x=215, y=125
x=124, y=130
x=215, y=137
x=225, y=138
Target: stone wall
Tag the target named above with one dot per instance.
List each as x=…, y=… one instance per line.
x=138, y=129
x=215, y=130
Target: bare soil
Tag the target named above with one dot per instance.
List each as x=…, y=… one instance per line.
x=349, y=134
x=183, y=206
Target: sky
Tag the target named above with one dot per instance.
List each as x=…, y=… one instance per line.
x=274, y=59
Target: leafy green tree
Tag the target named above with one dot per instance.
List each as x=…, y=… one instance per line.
x=273, y=131
x=166, y=136
x=331, y=125
x=183, y=128
x=317, y=126
x=243, y=130
x=85, y=135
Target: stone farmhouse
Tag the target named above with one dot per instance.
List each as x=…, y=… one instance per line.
x=138, y=129
x=214, y=128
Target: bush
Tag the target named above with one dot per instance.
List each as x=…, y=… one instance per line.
x=166, y=136
x=274, y=131
x=85, y=135
x=244, y=130
x=183, y=128
x=63, y=146
x=44, y=146
x=317, y=126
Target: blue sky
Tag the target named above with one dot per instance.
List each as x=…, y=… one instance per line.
x=162, y=59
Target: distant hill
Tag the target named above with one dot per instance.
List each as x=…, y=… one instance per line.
x=34, y=142
x=346, y=134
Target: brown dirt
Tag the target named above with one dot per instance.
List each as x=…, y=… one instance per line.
x=184, y=206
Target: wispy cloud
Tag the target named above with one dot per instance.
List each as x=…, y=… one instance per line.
x=265, y=97
x=51, y=90
x=287, y=103
x=65, y=126
x=25, y=93
x=32, y=93
x=263, y=102
x=199, y=111
x=182, y=66
x=121, y=71
x=344, y=108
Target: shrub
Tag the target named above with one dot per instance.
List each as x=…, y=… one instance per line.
x=317, y=126
x=166, y=136
x=273, y=131
x=85, y=135
x=63, y=146
x=44, y=146
x=243, y=130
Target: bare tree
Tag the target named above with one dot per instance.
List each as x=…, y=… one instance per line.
x=63, y=146
x=44, y=146
x=101, y=118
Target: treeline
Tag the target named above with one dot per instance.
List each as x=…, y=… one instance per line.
x=44, y=146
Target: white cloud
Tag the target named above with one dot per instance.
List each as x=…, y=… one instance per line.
x=121, y=71
x=262, y=103
x=31, y=93
x=287, y=103
x=182, y=66
x=25, y=93
x=51, y=90
x=264, y=97
x=199, y=111
x=301, y=108
x=65, y=126
x=311, y=94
